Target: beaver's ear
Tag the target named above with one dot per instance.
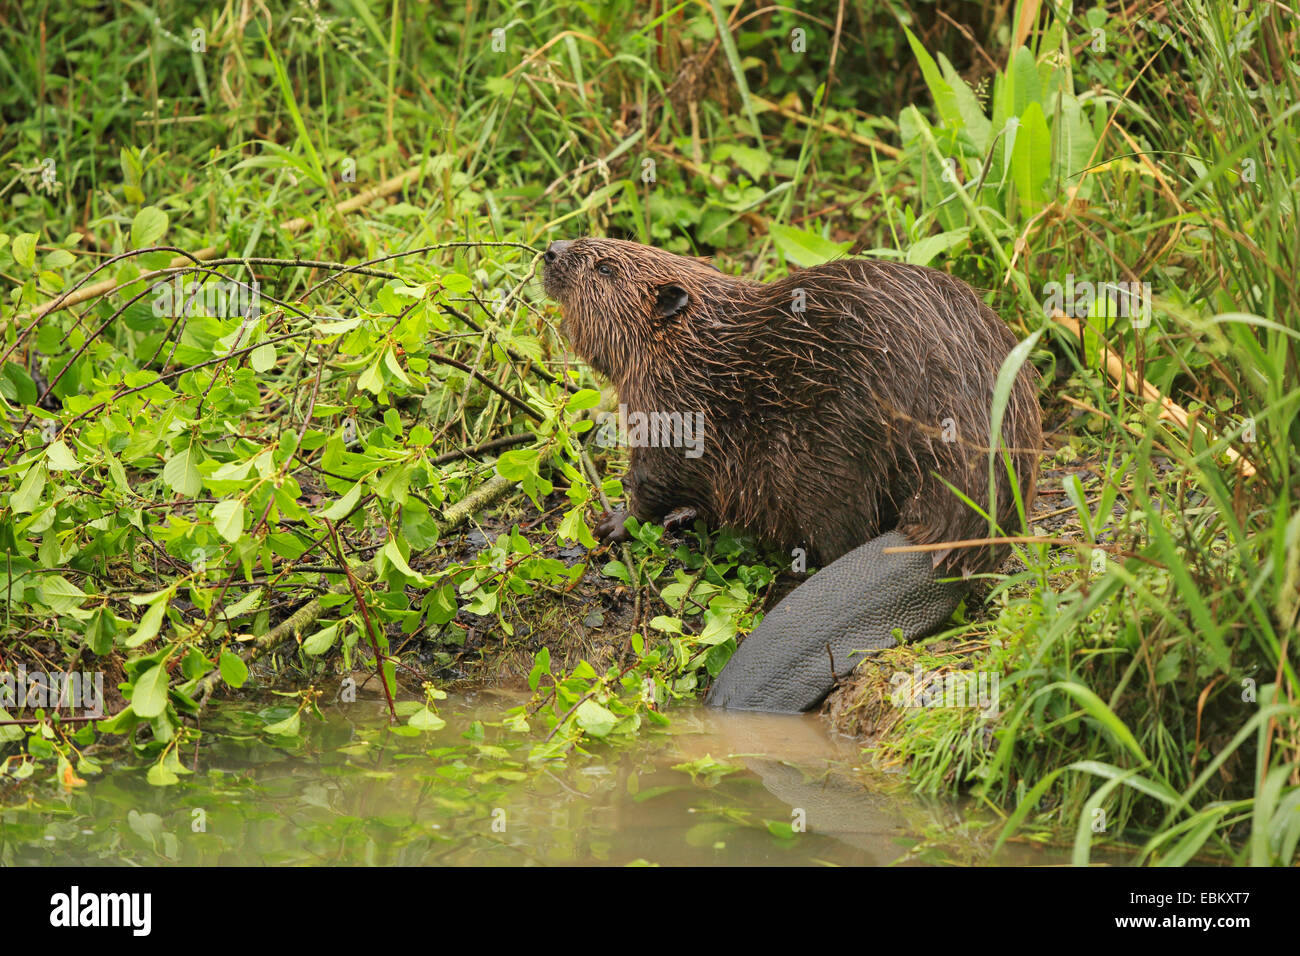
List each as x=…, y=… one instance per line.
x=670, y=300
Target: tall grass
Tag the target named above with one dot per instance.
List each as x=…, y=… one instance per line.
x=1155, y=695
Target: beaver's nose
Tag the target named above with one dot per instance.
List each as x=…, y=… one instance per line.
x=556, y=249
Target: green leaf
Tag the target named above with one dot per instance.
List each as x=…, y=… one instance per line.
x=148, y=227
x=181, y=474
x=425, y=719
x=616, y=570
x=24, y=249
x=945, y=101
x=921, y=252
x=573, y=527
x=233, y=669
x=371, y=379
x=228, y=519
x=753, y=161
x=977, y=125
x=518, y=463
x=337, y=327
x=595, y=719
x=99, y=634
x=150, y=696
x=1031, y=160
x=1097, y=708
x=60, y=457
x=59, y=594
x=149, y=624
x=28, y=494
x=394, y=366
x=1027, y=89
x=59, y=258
x=1002, y=387
x=583, y=398
x=320, y=642
x=806, y=248
x=394, y=555
x=161, y=776
x=541, y=665
x=262, y=358
x=285, y=728
x=340, y=509
x=16, y=385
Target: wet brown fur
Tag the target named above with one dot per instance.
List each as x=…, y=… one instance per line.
x=823, y=428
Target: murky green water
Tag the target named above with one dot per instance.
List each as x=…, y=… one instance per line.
x=355, y=792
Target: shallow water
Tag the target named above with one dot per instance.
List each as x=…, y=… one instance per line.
x=352, y=791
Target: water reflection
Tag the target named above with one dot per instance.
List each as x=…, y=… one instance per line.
x=717, y=788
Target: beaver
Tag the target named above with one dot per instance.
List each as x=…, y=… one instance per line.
x=846, y=410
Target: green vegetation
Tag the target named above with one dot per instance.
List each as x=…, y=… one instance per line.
x=194, y=501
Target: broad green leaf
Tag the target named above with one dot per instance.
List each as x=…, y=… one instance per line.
x=371, y=379
x=287, y=727
x=320, y=642
x=150, y=696
x=16, y=385
x=233, y=669
x=160, y=776
x=1031, y=160
x=338, y=327
x=977, y=125
x=148, y=227
x=149, y=625
x=945, y=102
x=60, y=594
x=228, y=519
x=518, y=463
x=100, y=631
x=595, y=719
x=59, y=258
x=806, y=248
x=394, y=366
x=181, y=473
x=924, y=250
x=394, y=555
x=1026, y=88
x=425, y=719
x=60, y=457
x=341, y=508
x=28, y=494
x=583, y=398
x=24, y=250
x=262, y=358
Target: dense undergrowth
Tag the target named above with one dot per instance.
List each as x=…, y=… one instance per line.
x=191, y=488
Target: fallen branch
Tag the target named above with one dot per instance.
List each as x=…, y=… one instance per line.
x=1170, y=410
x=300, y=620
x=386, y=188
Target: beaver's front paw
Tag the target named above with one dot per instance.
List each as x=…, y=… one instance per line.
x=679, y=518
x=610, y=527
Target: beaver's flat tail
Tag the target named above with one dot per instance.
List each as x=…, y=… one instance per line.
x=854, y=604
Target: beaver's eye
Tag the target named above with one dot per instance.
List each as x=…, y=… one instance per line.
x=604, y=269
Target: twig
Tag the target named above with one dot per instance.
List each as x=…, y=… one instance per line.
x=365, y=618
